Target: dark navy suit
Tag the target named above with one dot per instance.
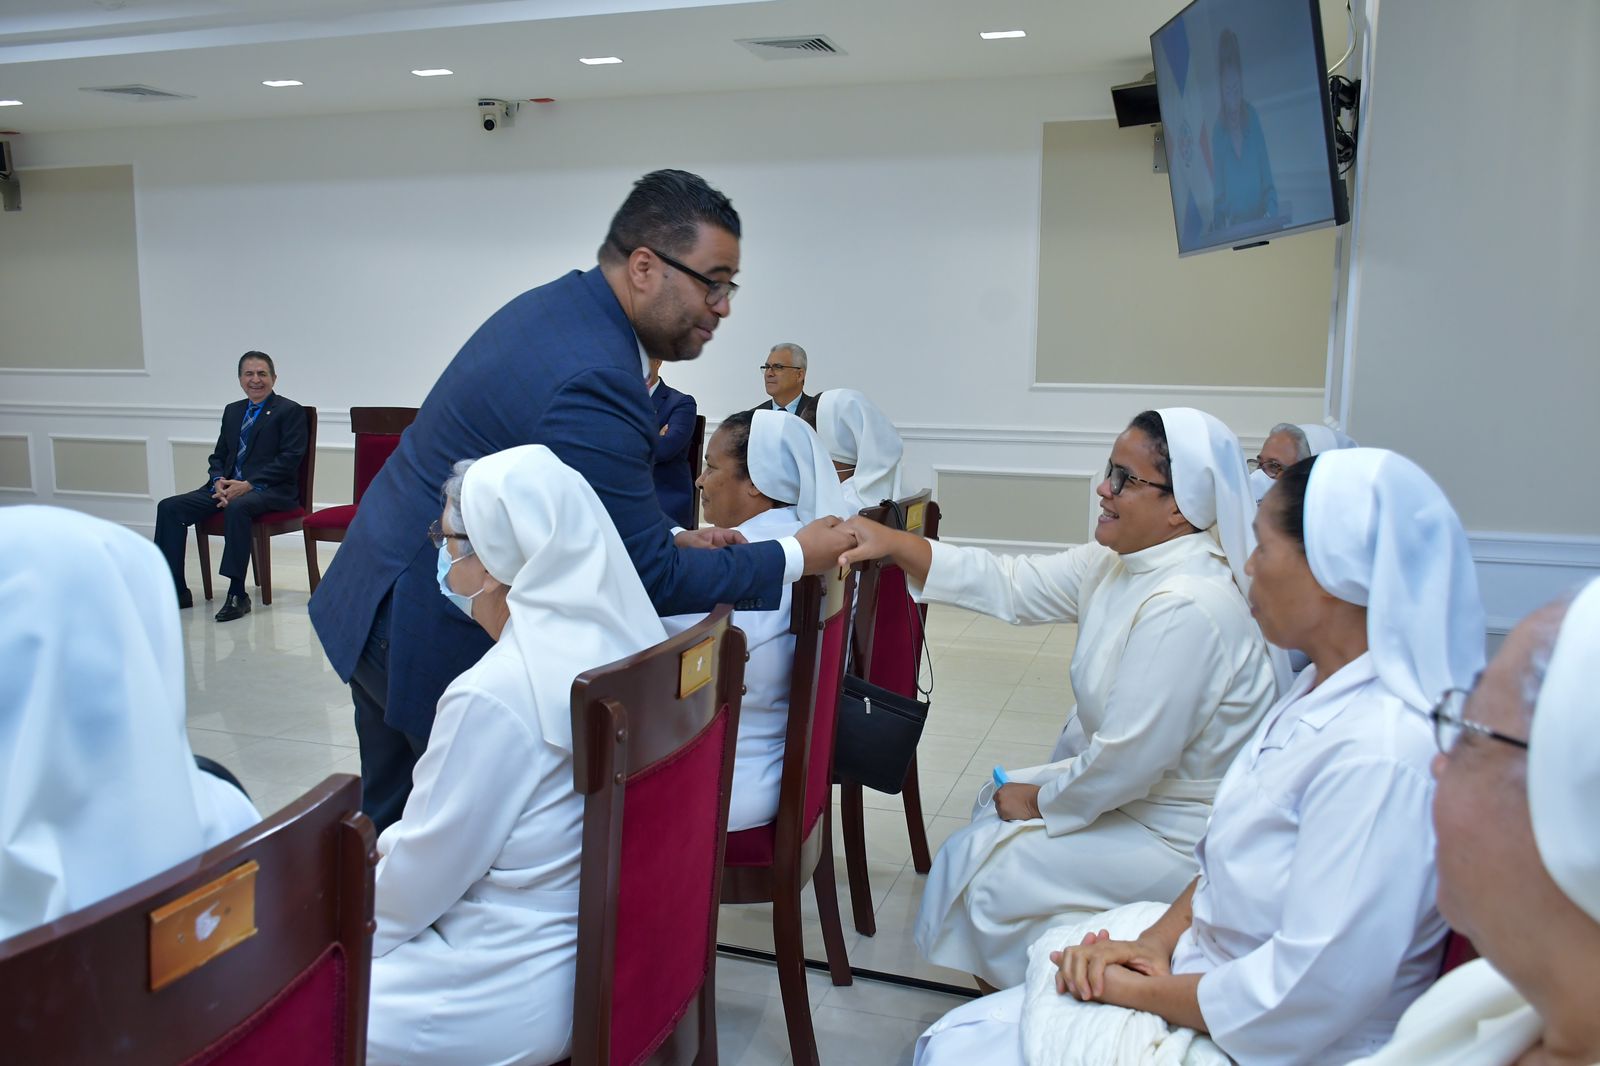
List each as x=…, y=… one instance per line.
x=807, y=409
x=674, y=483
x=560, y=366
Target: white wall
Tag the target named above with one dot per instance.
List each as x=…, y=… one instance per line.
x=1474, y=346
x=891, y=230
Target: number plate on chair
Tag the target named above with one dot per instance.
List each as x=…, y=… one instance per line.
x=914, y=516
x=189, y=932
x=695, y=667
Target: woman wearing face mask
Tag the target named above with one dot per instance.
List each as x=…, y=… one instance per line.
x=477, y=887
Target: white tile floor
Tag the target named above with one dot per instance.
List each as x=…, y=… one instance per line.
x=264, y=702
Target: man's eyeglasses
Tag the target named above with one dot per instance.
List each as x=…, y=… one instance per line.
x=1119, y=476
x=1449, y=724
x=437, y=534
x=716, y=291
x=1270, y=467
x=764, y=367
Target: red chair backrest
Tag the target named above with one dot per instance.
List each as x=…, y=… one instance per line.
x=653, y=744
x=894, y=652
x=377, y=431
x=109, y=983
x=820, y=623
x=1458, y=951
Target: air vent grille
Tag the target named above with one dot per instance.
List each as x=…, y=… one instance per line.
x=141, y=93
x=792, y=47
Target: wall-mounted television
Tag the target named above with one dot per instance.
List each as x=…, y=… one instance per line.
x=1247, y=122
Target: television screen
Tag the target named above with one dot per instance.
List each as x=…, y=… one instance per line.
x=1247, y=123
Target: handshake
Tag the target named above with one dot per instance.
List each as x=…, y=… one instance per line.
x=826, y=542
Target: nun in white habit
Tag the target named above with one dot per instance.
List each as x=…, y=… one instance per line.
x=865, y=447
x=98, y=786
x=1312, y=924
x=1171, y=676
x=1288, y=443
x=765, y=475
x=477, y=888
x=1519, y=855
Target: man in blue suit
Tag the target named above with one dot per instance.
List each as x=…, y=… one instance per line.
x=562, y=365
x=676, y=412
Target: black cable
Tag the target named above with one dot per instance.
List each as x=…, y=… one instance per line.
x=738, y=952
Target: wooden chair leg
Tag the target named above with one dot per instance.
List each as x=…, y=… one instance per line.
x=263, y=564
x=852, y=817
x=313, y=571
x=789, y=947
x=202, y=543
x=827, y=893
x=916, y=829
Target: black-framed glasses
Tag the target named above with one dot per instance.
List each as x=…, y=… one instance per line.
x=438, y=535
x=1270, y=467
x=1119, y=476
x=764, y=367
x=1449, y=724
x=716, y=291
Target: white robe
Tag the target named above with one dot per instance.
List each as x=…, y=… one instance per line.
x=1171, y=675
x=1472, y=1017
x=1317, y=867
x=477, y=892
x=764, y=711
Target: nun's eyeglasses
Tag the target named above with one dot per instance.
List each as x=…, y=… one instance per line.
x=1270, y=467
x=437, y=534
x=1119, y=476
x=1449, y=724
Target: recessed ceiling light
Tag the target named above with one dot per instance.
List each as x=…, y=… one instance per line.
x=1001, y=35
x=433, y=72
x=10, y=103
x=282, y=83
x=599, y=61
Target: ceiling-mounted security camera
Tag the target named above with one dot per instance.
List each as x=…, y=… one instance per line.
x=492, y=114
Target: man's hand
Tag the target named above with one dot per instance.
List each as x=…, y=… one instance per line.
x=873, y=541
x=1095, y=968
x=663, y=432
x=823, y=542
x=1017, y=802
x=709, y=537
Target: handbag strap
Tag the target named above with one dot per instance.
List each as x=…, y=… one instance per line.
x=919, y=628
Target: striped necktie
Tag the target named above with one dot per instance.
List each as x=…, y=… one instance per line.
x=250, y=415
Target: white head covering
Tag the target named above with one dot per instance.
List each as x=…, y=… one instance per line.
x=1564, y=756
x=787, y=463
x=1323, y=438
x=1381, y=534
x=575, y=600
x=857, y=434
x=98, y=785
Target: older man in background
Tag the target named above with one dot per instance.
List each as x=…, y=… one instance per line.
x=784, y=375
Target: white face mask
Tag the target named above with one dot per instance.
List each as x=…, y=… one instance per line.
x=445, y=563
x=1259, y=484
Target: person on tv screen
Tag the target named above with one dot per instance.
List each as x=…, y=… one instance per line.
x=1241, y=171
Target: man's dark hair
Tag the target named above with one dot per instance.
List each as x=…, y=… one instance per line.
x=737, y=441
x=1150, y=424
x=664, y=211
x=263, y=356
x=1289, y=493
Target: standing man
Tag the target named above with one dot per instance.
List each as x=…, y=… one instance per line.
x=562, y=365
x=255, y=468
x=784, y=375
x=676, y=412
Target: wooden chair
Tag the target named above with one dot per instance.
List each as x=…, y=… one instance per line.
x=377, y=431
x=771, y=863
x=886, y=647
x=265, y=526
x=653, y=745
x=149, y=975
x=697, y=459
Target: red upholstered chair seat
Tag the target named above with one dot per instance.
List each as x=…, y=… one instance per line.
x=755, y=847
x=338, y=517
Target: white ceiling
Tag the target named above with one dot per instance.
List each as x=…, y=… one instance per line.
x=356, y=55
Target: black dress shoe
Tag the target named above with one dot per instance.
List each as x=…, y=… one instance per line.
x=185, y=599
x=237, y=607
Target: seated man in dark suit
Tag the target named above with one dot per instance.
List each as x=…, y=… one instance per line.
x=676, y=411
x=255, y=468
x=784, y=375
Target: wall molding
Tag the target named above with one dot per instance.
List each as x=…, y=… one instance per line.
x=1269, y=391
x=122, y=372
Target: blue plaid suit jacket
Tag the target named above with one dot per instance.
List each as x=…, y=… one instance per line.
x=558, y=366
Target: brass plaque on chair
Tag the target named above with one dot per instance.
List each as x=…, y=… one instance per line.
x=189, y=932
x=833, y=594
x=695, y=667
x=914, y=516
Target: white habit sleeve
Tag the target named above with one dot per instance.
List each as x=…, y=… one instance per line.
x=1028, y=589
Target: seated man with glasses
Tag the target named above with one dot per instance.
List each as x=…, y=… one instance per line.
x=1312, y=925
x=784, y=375
x=1519, y=854
x=1170, y=673
x=1286, y=445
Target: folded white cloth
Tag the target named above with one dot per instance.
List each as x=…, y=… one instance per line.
x=1060, y=1030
